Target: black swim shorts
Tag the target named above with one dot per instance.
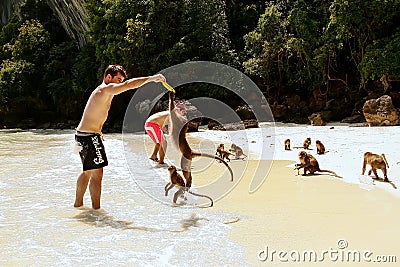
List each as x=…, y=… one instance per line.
x=92, y=151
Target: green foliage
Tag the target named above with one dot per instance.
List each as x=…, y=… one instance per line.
x=382, y=58
x=152, y=35
x=86, y=71
x=15, y=78
x=32, y=43
x=28, y=53
x=302, y=45
x=39, y=10
x=287, y=46
x=282, y=47
x=242, y=17
x=7, y=35
x=264, y=43
x=58, y=75
x=357, y=24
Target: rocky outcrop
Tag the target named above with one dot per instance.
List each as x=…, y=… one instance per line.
x=316, y=119
x=245, y=112
x=234, y=126
x=354, y=119
x=378, y=112
x=278, y=111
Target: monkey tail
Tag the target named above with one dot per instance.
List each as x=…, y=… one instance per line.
x=334, y=173
x=384, y=158
x=198, y=154
x=200, y=195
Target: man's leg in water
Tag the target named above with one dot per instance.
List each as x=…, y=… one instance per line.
x=81, y=185
x=95, y=187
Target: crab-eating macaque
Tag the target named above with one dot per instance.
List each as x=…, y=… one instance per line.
x=177, y=180
x=222, y=153
x=306, y=144
x=179, y=127
x=309, y=163
x=238, y=152
x=287, y=144
x=320, y=147
x=225, y=155
x=376, y=162
x=220, y=148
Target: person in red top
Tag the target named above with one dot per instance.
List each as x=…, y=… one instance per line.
x=156, y=126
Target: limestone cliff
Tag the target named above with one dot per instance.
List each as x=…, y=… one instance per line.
x=7, y=9
x=70, y=13
x=72, y=17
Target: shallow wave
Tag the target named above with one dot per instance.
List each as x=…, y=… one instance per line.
x=40, y=227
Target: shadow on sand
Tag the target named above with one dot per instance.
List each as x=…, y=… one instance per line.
x=100, y=218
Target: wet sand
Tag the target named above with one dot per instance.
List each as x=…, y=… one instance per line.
x=293, y=213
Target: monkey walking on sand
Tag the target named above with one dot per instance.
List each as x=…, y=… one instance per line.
x=222, y=153
x=179, y=127
x=177, y=180
x=376, y=162
x=306, y=144
x=310, y=164
x=225, y=155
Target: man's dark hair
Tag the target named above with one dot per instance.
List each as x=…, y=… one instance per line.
x=113, y=70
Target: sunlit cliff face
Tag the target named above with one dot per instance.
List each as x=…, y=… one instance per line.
x=70, y=13
x=72, y=17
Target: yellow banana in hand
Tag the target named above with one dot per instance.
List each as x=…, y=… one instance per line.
x=169, y=87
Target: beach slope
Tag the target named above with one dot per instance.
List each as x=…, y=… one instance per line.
x=291, y=217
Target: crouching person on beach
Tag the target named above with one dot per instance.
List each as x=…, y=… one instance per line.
x=156, y=126
x=88, y=133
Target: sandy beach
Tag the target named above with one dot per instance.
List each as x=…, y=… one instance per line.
x=290, y=220
x=317, y=220
x=295, y=214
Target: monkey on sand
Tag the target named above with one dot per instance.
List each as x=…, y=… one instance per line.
x=177, y=180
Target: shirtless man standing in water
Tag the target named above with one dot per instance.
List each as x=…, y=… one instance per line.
x=88, y=133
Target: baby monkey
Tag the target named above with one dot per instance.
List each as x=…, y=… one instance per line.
x=377, y=162
x=222, y=153
x=177, y=180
